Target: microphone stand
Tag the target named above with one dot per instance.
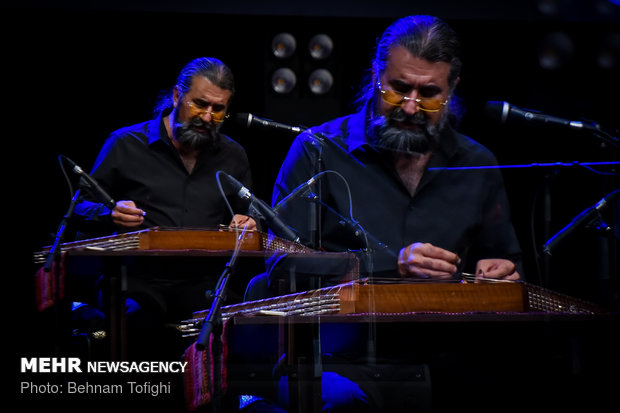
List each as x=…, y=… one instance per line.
x=608, y=276
x=314, y=217
x=549, y=178
x=368, y=239
x=54, y=257
x=359, y=231
x=213, y=319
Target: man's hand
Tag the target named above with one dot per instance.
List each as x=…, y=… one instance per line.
x=496, y=268
x=126, y=215
x=240, y=221
x=427, y=261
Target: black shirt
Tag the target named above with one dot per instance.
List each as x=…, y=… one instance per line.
x=139, y=163
x=461, y=210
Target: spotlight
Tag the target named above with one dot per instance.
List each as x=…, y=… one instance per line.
x=609, y=52
x=320, y=46
x=555, y=51
x=283, y=45
x=549, y=7
x=283, y=80
x=320, y=81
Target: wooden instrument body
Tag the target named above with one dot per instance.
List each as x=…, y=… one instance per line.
x=360, y=297
x=179, y=239
x=435, y=297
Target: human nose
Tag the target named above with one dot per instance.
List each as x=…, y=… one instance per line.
x=410, y=103
x=207, y=116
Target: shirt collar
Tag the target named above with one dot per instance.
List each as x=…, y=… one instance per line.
x=356, y=129
x=156, y=129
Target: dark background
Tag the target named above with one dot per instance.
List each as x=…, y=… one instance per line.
x=77, y=72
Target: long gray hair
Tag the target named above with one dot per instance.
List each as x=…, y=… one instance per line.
x=426, y=37
x=213, y=69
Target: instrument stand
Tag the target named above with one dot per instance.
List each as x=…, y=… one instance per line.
x=548, y=181
x=212, y=324
x=608, y=271
x=303, y=366
x=115, y=274
x=607, y=260
x=305, y=383
x=52, y=267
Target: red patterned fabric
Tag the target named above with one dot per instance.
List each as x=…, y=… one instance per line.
x=50, y=285
x=199, y=374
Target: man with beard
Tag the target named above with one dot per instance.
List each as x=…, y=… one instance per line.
x=163, y=173
x=397, y=183
x=396, y=158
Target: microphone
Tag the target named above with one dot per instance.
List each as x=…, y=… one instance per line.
x=507, y=112
x=301, y=188
x=92, y=184
x=584, y=218
x=275, y=223
x=248, y=120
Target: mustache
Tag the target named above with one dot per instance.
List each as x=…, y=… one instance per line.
x=397, y=117
x=186, y=133
x=194, y=122
x=190, y=125
x=389, y=132
x=400, y=116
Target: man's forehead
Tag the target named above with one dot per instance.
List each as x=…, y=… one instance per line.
x=203, y=87
x=407, y=68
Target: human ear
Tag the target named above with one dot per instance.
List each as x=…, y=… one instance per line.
x=175, y=96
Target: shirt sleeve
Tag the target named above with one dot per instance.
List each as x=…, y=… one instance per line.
x=497, y=237
x=91, y=217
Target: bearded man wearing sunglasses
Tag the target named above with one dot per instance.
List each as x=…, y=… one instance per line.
x=415, y=183
x=415, y=198
x=163, y=173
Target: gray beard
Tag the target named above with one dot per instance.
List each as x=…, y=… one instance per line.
x=420, y=140
x=188, y=137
